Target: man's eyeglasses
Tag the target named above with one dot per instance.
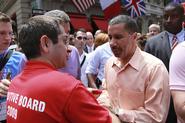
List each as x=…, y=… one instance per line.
x=80, y=38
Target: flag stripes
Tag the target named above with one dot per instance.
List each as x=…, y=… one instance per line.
x=83, y=5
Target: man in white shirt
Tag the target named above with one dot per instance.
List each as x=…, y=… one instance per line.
x=89, y=44
x=95, y=67
x=80, y=38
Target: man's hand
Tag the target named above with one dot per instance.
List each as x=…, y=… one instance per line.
x=115, y=119
x=4, y=86
x=95, y=92
x=104, y=99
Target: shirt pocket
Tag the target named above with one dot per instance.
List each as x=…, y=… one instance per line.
x=131, y=99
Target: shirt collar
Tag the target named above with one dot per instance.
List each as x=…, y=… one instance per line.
x=39, y=64
x=134, y=62
x=178, y=34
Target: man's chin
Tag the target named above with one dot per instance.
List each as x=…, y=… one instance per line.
x=116, y=55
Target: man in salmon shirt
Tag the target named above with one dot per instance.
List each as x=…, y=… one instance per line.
x=41, y=94
x=136, y=82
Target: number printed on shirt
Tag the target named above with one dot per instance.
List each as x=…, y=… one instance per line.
x=12, y=112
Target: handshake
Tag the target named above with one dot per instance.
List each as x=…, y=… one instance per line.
x=95, y=92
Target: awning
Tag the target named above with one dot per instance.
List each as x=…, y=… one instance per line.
x=80, y=21
x=101, y=23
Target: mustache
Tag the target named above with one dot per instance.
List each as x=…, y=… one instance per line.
x=115, y=47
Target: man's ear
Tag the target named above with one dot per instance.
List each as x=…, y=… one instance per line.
x=134, y=35
x=44, y=43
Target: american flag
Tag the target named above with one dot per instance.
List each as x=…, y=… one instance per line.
x=83, y=5
x=134, y=7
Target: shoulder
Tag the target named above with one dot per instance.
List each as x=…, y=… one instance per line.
x=62, y=79
x=179, y=47
x=150, y=59
x=103, y=46
x=74, y=50
x=103, y=50
x=178, y=57
x=18, y=56
x=153, y=67
x=17, y=53
x=153, y=64
x=156, y=42
x=156, y=38
x=73, y=47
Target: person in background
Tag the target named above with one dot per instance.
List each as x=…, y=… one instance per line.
x=89, y=44
x=73, y=65
x=153, y=29
x=162, y=44
x=71, y=39
x=101, y=39
x=177, y=80
x=80, y=38
x=136, y=83
x=11, y=62
x=141, y=41
x=68, y=101
x=93, y=81
x=98, y=32
x=13, y=44
x=97, y=60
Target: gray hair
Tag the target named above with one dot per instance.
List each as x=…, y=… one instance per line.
x=61, y=16
x=130, y=24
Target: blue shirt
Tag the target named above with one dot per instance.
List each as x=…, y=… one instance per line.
x=15, y=64
x=98, y=59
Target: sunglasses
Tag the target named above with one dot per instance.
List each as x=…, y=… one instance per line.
x=80, y=38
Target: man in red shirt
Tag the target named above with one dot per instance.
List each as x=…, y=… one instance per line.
x=41, y=94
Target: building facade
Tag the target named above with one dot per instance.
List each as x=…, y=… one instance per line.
x=92, y=19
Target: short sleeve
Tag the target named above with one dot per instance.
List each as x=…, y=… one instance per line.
x=177, y=68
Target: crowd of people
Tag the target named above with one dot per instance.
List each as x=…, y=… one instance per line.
x=113, y=76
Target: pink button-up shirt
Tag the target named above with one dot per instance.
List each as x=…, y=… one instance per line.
x=139, y=90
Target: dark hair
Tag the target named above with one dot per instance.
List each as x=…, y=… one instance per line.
x=79, y=30
x=4, y=17
x=177, y=7
x=130, y=24
x=33, y=30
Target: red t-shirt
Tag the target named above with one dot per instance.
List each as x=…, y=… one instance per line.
x=40, y=94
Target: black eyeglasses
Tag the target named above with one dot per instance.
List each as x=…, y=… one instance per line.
x=80, y=38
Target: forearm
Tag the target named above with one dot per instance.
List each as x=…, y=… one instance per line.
x=179, y=103
x=139, y=116
x=182, y=113
x=91, y=80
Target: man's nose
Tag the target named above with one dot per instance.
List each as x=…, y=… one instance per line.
x=112, y=42
x=8, y=36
